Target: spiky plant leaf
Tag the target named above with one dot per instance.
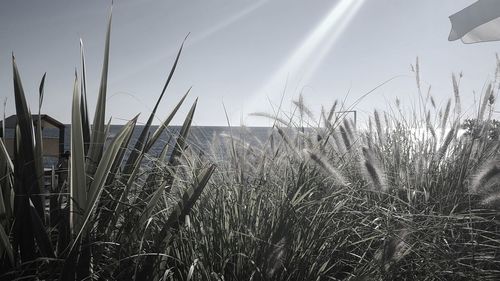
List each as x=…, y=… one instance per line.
x=78, y=179
x=103, y=169
x=41, y=236
x=94, y=193
x=165, y=123
x=180, y=144
x=142, y=140
x=26, y=185
x=38, y=135
x=83, y=102
x=98, y=136
x=26, y=141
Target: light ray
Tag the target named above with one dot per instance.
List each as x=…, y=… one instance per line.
x=326, y=47
x=227, y=22
x=308, y=56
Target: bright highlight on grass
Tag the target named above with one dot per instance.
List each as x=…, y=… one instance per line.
x=308, y=56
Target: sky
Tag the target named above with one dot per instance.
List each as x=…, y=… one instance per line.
x=246, y=55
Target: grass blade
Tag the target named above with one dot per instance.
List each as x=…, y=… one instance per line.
x=41, y=236
x=4, y=239
x=176, y=219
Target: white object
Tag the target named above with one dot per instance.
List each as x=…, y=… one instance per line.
x=479, y=22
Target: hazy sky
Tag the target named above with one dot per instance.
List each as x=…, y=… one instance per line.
x=240, y=53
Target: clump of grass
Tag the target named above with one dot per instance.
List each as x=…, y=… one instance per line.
x=95, y=220
x=417, y=217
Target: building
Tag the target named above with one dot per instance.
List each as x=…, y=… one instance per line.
x=52, y=137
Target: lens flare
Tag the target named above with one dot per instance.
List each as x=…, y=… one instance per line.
x=307, y=56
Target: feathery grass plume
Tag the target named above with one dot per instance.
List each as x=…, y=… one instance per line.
x=433, y=102
x=338, y=143
x=326, y=166
x=486, y=177
x=497, y=70
x=370, y=127
x=287, y=140
x=372, y=170
x=332, y=111
x=349, y=128
x=491, y=98
x=491, y=199
x=276, y=257
x=329, y=126
x=445, y=117
x=322, y=116
x=378, y=124
x=456, y=92
x=393, y=250
x=272, y=117
x=387, y=123
x=417, y=74
x=484, y=104
x=397, y=160
x=345, y=137
x=303, y=109
x=446, y=143
x=430, y=127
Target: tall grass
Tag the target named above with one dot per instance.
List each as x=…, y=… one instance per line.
x=330, y=202
x=316, y=200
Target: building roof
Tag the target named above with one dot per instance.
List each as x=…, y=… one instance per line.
x=11, y=121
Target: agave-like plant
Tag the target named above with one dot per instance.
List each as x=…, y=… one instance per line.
x=101, y=207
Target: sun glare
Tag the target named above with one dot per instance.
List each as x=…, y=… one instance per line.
x=307, y=57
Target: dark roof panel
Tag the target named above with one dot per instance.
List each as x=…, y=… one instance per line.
x=11, y=121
